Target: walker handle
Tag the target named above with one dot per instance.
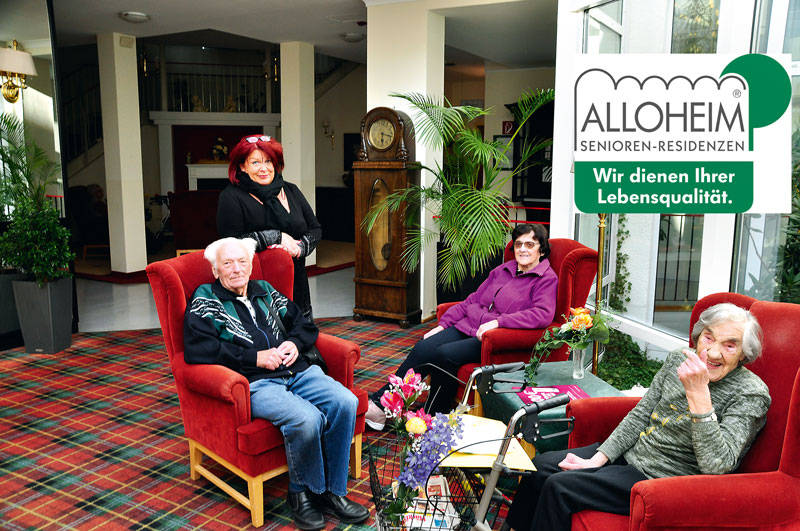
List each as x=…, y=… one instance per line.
x=504, y=367
x=536, y=407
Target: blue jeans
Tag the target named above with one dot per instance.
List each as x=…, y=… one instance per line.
x=317, y=417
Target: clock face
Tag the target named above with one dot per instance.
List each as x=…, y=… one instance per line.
x=381, y=133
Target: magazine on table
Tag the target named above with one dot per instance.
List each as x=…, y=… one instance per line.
x=529, y=395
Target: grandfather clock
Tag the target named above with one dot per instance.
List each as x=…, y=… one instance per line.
x=383, y=287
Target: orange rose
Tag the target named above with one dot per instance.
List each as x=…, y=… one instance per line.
x=582, y=321
x=579, y=311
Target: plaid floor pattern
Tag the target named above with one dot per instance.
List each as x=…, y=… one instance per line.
x=92, y=438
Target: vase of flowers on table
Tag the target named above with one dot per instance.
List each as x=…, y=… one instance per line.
x=420, y=442
x=579, y=331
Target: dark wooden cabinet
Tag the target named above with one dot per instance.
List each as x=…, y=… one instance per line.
x=383, y=287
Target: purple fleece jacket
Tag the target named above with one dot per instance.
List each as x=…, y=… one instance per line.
x=516, y=301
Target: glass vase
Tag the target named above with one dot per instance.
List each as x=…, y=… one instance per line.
x=578, y=362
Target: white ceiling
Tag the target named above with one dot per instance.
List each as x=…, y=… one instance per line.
x=516, y=34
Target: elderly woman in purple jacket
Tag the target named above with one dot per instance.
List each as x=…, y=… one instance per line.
x=520, y=293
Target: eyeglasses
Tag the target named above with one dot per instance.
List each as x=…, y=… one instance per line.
x=528, y=245
x=254, y=139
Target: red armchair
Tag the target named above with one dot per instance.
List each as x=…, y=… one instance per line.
x=764, y=493
x=576, y=266
x=215, y=401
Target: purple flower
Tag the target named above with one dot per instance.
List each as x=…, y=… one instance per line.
x=428, y=449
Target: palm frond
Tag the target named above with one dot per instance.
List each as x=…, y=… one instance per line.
x=436, y=122
x=25, y=169
x=531, y=101
x=417, y=239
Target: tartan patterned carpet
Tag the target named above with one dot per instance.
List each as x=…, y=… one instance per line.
x=92, y=438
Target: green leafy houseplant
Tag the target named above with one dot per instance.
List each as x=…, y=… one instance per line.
x=25, y=169
x=578, y=332
x=466, y=197
x=34, y=243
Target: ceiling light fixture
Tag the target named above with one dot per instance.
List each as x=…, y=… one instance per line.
x=134, y=17
x=352, y=38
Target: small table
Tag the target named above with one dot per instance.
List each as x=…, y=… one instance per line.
x=503, y=406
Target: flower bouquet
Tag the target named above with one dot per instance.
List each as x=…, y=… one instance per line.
x=219, y=151
x=422, y=441
x=578, y=332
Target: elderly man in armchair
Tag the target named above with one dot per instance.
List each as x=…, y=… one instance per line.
x=232, y=322
x=699, y=416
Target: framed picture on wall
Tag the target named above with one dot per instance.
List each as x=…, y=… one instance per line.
x=510, y=153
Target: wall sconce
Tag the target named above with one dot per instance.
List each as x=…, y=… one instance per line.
x=14, y=66
x=327, y=131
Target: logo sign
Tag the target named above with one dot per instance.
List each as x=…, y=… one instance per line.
x=508, y=127
x=698, y=133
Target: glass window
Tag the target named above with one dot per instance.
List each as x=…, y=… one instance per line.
x=791, y=39
x=660, y=254
x=695, y=25
x=767, y=254
x=602, y=29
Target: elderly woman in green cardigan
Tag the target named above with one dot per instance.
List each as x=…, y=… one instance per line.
x=700, y=416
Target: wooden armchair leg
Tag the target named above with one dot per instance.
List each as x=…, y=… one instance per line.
x=355, y=456
x=195, y=458
x=255, y=491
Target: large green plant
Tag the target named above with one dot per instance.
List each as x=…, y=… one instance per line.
x=466, y=197
x=25, y=169
x=35, y=242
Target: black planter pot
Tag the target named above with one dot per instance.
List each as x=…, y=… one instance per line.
x=470, y=284
x=45, y=314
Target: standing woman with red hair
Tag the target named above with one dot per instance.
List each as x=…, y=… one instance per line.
x=259, y=204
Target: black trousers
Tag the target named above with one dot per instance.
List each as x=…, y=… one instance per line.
x=546, y=500
x=449, y=350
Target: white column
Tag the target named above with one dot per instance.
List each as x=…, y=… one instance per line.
x=297, y=119
x=568, y=45
x=119, y=91
x=415, y=66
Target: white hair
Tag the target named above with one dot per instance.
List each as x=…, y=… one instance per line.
x=248, y=244
x=751, y=333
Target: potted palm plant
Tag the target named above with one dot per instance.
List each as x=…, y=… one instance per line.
x=466, y=197
x=34, y=242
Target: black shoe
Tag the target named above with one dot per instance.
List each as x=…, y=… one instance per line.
x=345, y=510
x=305, y=515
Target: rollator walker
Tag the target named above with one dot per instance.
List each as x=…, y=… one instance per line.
x=471, y=491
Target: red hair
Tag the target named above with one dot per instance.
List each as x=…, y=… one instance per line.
x=271, y=148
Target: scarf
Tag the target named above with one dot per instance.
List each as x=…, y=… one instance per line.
x=277, y=216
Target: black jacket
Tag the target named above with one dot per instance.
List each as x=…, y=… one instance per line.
x=218, y=329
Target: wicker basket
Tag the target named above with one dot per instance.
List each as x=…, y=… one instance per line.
x=455, y=511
